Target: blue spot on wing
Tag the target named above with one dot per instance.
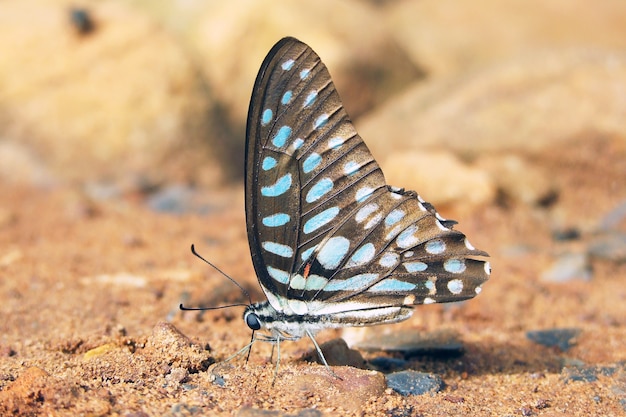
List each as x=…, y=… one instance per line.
x=310, y=99
x=280, y=187
x=354, y=283
x=311, y=162
x=307, y=253
x=350, y=168
x=412, y=267
x=333, y=252
x=336, y=142
x=320, y=121
x=320, y=220
x=267, y=116
x=363, y=193
x=287, y=65
x=394, y=217
x=276, y=220
x=278, y=274
x=391, y=284
x=281, y=136
x=286, y=97
x=362, y=255
x=316, y=192
x=268, y=163
x=278, y=249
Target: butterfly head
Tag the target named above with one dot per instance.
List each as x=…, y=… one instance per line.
x=252, y=319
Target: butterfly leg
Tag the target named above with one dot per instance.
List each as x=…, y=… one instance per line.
x=277, y=358
x=272, y=353
x=241, y=351
x=321, y=356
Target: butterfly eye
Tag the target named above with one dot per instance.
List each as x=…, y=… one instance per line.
x=253, y=322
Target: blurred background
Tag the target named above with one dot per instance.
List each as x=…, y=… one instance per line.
x=138, y=95
x=507, y=115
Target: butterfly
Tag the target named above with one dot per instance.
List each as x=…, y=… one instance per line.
x=332, y=244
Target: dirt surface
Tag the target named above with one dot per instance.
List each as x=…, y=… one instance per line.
x=89, y=291
x=122, y=145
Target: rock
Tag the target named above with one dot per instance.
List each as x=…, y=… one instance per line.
x=255, y=412
x=100, y=350
x=564, y=339
x=448, y=38
x=20, y=165
x=610, y=246
x=587, y=373
x=175, y=350
x=337, y=352
x=177, y=375
x=36, y=392
x=119, y=100
x=414, y=383
x=567, y=267
x=529, y=103
x=439, y=177
x=350, y=393
x=517, y=178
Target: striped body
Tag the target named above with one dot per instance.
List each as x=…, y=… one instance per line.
x=291, y=326
x=332, y=244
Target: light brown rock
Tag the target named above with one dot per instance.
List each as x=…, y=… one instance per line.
x=114, y=101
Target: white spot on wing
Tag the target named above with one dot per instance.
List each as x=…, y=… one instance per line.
x=454, y=266
x=365, y=212
x=435, y=247
x=298, y=307
x=407, y=238
x=455, y=286
x=389, y=260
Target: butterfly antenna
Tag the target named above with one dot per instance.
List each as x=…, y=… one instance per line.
x=243, y=290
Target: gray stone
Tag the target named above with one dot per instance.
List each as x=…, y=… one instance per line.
x=414, y=383
x=561, y=338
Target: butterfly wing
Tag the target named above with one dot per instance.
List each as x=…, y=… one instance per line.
x=323, y=225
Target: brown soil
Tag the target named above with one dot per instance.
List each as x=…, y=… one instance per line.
x=85, y=287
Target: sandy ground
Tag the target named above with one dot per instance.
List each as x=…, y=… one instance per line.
x=89, y=291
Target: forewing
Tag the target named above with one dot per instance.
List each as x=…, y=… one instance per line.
x=306, y=167
x=323, y=226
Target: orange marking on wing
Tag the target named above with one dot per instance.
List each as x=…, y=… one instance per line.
x=307, y=270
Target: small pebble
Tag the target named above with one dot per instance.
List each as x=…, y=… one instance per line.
x=565, y=235
x=414, y=383
x=255, y=412
x=82, y=21
x=177, y=375
x=175, y=199
x=567, y=267
x=564, y=339
x=587, y=373
x=610, y=246
x=337, y=353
